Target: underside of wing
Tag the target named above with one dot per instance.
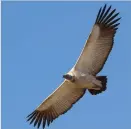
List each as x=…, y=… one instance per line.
x=100, y=42
x=59, y=102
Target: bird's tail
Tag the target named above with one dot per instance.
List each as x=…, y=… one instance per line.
x=103, y=80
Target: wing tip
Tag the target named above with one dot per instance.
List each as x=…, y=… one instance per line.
x=38, y=118
x=33, y=117
x=108, y=18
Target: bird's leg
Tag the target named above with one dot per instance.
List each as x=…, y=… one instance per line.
x=97, y=82
x=90, y=82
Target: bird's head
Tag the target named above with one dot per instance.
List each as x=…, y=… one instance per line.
x=69, y=77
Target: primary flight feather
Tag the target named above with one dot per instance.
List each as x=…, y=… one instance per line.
x=82, y=76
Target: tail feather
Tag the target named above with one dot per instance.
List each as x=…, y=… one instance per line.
x=103, y=80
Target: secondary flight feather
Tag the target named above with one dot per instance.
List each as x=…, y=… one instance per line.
x=83, y=76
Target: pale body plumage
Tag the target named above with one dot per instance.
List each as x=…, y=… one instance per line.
x=84, y=80
x=83, y=76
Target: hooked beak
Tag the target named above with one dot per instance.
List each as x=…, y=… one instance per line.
x=68, y=77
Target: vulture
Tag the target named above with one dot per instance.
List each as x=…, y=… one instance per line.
x=83, y=76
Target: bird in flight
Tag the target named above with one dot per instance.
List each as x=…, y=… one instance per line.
x=83, y=76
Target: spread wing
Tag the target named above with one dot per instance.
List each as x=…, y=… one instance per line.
x=59, y=102
x=99, y=43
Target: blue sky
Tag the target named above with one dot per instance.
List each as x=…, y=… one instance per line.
x=40, y=42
